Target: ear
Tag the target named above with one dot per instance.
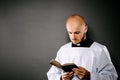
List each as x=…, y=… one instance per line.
x=86, y=28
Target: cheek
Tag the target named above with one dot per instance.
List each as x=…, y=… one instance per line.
x=70, y=36
x=80, y=36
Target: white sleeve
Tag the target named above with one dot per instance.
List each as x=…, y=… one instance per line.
x=105, y=69
x=54, y=73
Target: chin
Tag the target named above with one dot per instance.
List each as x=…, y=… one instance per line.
x=74, y=42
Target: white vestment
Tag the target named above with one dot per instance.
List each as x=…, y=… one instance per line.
x=95, y=59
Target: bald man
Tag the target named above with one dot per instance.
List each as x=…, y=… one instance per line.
x=92, y=58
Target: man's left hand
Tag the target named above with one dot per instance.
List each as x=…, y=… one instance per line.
x=82, y=73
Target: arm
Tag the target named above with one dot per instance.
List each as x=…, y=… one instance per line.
x=54, y=72
x=105, y=69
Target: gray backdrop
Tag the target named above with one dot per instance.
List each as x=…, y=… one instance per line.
x=31, y=32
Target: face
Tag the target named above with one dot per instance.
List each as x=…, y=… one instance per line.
x=76, y=30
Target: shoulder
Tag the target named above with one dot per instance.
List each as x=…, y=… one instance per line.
x=100, y=50
x=98, y=47
x=63, y=48
x=67, y=45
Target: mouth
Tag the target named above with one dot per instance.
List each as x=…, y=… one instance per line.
x=74, y=39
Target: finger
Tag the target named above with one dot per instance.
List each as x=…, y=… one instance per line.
x=80, y=72
x=71, y=74
x=80, y=69
x=67, y=75
x=64, y=74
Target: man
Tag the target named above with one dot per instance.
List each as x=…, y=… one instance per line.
x=92, y=58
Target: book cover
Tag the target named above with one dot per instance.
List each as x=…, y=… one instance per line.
x=67, y=67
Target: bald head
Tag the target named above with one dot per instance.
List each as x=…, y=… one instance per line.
x=76, y=28
x=77, y=18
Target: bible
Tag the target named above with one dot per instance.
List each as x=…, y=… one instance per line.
x=67, y=67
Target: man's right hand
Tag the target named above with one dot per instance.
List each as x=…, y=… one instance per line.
x=67, y=75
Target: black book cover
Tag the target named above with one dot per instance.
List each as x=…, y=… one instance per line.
x=67, y=67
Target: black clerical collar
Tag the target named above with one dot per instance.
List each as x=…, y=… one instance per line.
x=86, y=43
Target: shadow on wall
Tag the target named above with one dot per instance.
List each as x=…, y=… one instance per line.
x=90, y=34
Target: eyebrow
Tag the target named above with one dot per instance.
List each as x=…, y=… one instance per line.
x=74, y=32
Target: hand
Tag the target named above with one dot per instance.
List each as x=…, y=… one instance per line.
x=82, y=73
x=67, y=75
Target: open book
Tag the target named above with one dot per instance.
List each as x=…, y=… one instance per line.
x=67, y=67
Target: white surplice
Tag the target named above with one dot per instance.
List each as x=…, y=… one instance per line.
x=95, y=59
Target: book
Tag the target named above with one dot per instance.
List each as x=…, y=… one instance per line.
x=67, y=67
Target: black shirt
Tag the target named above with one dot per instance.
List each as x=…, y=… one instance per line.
x=86, y=43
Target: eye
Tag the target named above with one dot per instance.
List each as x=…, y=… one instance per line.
x=70, y=32
x=76, y=32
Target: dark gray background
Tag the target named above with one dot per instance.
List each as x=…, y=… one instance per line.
x=31, y=32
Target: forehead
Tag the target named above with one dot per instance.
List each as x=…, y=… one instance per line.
x=75, y=20
x=74, y=29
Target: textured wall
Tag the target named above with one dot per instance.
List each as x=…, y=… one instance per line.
x=31, y=32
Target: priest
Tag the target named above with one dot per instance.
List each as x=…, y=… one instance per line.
x=92, y=58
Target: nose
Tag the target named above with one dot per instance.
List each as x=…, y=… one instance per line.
x=73, y=36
